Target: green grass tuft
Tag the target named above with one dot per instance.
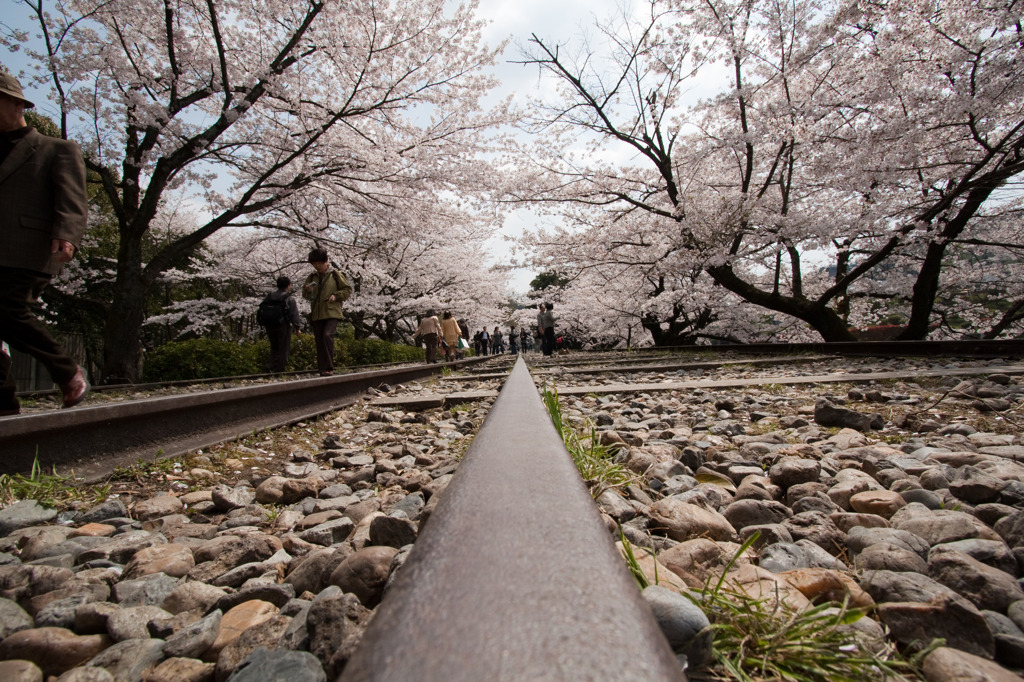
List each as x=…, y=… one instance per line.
x=594, y=461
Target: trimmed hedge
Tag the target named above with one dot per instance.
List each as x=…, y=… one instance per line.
x=210, y=359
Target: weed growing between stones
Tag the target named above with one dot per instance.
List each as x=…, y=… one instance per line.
x=49, y=489
x=762, y=638
x=594, y=461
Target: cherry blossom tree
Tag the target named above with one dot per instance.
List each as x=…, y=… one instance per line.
x=851, y=138
x=243, y=107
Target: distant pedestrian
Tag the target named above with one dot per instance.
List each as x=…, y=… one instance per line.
x=451, y=333
x=485, y=341
x=513, y=338
x=325, y=289
x=525, y=340
x=44, y=213
x=429, y=332
x=497, y=342
x=546, y=327
x=279, y=315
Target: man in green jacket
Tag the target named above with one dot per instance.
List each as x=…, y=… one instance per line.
x=325, y=289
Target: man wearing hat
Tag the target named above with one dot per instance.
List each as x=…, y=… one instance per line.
x=43, y=213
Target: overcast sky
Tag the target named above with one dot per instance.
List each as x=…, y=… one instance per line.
x=560, y=21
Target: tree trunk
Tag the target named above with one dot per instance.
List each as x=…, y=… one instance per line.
x=819, y=316
x=925, y=288
x=122, y=337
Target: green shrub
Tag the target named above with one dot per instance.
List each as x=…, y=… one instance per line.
x=204, y=359
x=209, y=359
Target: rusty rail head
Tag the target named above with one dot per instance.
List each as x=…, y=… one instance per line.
x=514, y=577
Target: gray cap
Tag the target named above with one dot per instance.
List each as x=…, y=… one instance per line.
x=9, y=85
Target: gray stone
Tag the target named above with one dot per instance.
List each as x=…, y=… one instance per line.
x=192, y=596
x=364, y=573
x=313, y=570
x=976, y=486
x=391, y=531
x=613, y=504
x=193, y=640
x=149, y=590
x=926, y=497
x=60, y=613
x=127, y=660
x=986, y=587
x=947, y=664
x=783, y=556
x=860, y=538
x=768, y=534
x=266, y=634
x=412, y=504
x=748, y=512
x=87, y=675
x=119, y=549
x=818, y=528
x=791, y=471
x=817, y=557
x=885, y=556
x=684, y=624
x=992, y=552
x=1016, y=613
x=225, y=498
x=938, y=526
x=329, y=532
x=20, y=671
x=278, y=665
x=958, y=622
x=130, y=623
x=12, y=618
x=335, y=625
x=277, y=594
x=23, y=514
x=827, y=414
x=109, y=509
x=1011, y=529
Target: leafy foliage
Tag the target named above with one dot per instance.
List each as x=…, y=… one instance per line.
x=212, y=358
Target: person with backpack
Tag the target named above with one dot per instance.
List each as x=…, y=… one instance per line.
x=325, y=289
x=279, y=315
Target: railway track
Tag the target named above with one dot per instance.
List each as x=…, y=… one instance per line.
x=517, y=575
x=94, y=439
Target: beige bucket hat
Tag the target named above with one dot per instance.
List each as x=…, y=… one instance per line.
x=9, y=85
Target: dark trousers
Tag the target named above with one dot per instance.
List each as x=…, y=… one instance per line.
x=19, y=294
x=323, y=335
x=280, y=336
x=549, y=340
x=430, y=340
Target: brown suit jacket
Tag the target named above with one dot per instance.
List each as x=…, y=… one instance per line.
x=42, y=197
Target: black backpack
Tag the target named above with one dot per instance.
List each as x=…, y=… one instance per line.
x=271, y=312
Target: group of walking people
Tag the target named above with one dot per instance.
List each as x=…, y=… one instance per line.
x=326, y=289
x=447, y=335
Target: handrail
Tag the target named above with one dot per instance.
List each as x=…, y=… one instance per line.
x=514, y=576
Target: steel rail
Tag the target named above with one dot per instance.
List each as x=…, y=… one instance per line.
x=514, y=576
x=91, y=440
x=966, y=348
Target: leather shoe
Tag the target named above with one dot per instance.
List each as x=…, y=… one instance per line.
x=75, y=390
x=9, y=412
